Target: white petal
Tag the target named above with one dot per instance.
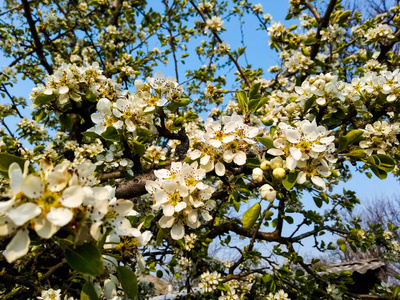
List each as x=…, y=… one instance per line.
x=59, y=216
x=302, y=177
x=220, y=169
x=318, y=181
x=123, y=207
x=63, y=90
x=166, y=222
x=32, y=186
x=295, y=152
x=228, y=156
x=240, y=158
x=318, y=148
x=206, y=215
x=16, y=178
x=293, y=135
x=180, y=206
x=18, y=246
x=5, y=205
x=144, y=238
x=44, y=228
x=168, y=210
x=73, y=196
x=177, y=231
x=58, y=180
x=110, y=290
x=291, y=163
x=275, y=152
x=24, y=213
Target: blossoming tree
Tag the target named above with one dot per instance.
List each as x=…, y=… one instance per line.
x=118, y=171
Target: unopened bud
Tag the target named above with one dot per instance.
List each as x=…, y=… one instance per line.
x=258, y=175
x=265, y=164
x=279, y=173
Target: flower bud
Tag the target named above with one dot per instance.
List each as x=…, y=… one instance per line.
x=276, y=162
x=268, y=193
x=279, y=173
x=265, y=165
x=257, y=175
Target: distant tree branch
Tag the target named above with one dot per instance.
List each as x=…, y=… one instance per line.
x=234, y=60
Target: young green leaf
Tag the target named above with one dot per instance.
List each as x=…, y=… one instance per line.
x=251, y=215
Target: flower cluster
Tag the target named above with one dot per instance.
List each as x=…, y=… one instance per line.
x=132, y=110
x=307, y=147
x=223, y=141
x=280, y=295
x=182, y=196
x=380, y=137
x=209, y=281
x=59, y=196
x=70, y=82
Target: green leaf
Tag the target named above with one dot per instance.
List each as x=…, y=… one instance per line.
x=266, y=278
x=266, y=142
x=308, y=104
x=6, y=160
x=343, y=142
x=290, y=180
x=349, y=138
x=88, y=292
x=174, y=105
x=42, y=99
x=138, y=147
x=386, y=163
x=128, y=281
x=354, y=135
x=289, y=219
x=85, y=259
x=236, y=205
x=318, y=201
x=381, y=174
x=242, y=98
x=90, y=134
x=356, y=153
x=342, y=244
x=90, y=96
x=66, y=120
x=254, y=90
x=111, y=134
x=251, y=215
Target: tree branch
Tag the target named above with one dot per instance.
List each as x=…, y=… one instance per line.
x=35, y=36
x=246, y=80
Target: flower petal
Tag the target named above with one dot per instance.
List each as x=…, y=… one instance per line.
x=44, y=228
x=73, y=196
x=24, y=213
x=59, y=216
x=18, y=246
x=177, y=231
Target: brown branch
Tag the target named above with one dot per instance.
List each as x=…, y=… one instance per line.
x=312, y=9
x=135, y=187
x=38, y=45
x=324, y=22
x=52, y=270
